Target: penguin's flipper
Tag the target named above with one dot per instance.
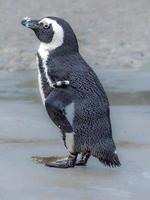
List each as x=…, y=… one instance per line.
x=55, y=104
x=65, y=163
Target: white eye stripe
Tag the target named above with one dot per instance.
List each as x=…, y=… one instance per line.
x=57, y=39
x=44, y=24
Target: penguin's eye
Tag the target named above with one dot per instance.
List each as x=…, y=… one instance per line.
x=46, y=26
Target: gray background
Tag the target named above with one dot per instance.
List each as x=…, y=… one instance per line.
x=111, y=33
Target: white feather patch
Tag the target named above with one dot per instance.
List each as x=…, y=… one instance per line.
x=41, y=87
x=69, y=111
x=44, y=55
x=40, y=82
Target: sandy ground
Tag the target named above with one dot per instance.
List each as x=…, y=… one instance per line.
x=111, y=34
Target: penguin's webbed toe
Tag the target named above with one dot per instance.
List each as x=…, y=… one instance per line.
x=65, y=163
x=58, y=164
x=81, y=163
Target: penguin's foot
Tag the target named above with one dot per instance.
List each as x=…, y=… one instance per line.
x=81, y=163
x=83, y=159
x=64, y=163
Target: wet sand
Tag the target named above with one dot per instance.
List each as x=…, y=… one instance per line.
x=26, y=131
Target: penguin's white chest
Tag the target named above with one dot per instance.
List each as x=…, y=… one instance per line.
x=43, y=52
x=41, y=87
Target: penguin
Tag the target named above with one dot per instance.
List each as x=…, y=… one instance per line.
x=72, y=94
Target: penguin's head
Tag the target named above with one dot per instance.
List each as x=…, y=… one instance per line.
x=53, y=31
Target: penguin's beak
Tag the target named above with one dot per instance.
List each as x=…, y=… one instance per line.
x=27, y=22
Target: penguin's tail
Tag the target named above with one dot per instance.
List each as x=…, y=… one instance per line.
x=110, y=160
